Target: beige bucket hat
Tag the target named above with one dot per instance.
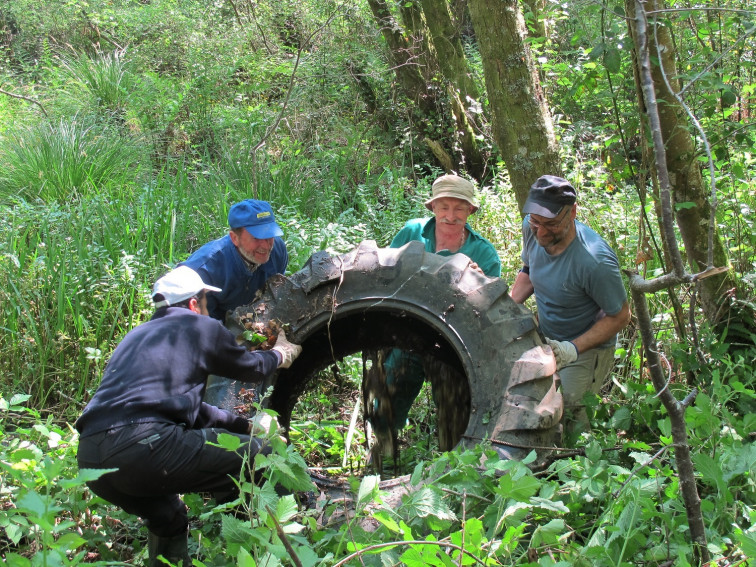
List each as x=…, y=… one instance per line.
x=453, y=186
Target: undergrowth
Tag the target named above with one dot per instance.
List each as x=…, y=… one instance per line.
x=614, y=501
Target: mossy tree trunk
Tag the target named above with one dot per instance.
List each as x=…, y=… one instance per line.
x=522, y=126
x=462, y=90
x=403, y=53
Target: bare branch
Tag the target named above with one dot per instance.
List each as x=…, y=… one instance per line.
x=649, y=95
x=27, y=99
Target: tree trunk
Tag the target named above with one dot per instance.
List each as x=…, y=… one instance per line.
x=690, y=197
x=403, y=54
x=463, y=91
x=522, y=124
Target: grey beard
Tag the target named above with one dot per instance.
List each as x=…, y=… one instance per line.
x=251, y=266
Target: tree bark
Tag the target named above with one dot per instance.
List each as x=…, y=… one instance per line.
x=463, y=92
x=690, y=198
x=522, y=126
x=404, y=57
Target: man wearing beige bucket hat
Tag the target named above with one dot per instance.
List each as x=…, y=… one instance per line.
x=446, y=233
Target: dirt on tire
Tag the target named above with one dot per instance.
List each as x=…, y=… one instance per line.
x=437, y=306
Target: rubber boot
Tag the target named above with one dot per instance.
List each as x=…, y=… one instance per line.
x=173, y=549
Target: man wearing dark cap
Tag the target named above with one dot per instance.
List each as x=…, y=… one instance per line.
x=580, y=297
x=242, y=261
x=147, y=420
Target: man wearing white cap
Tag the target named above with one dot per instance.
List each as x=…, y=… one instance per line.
x=148, y=421
x=446, y=233
x=242, y=261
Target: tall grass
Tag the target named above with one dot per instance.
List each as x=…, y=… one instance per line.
x=75, y=274
x=66, y=160
x=104, y=77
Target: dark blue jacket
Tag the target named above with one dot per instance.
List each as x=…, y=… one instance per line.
x=219, y=263
x=159, y=371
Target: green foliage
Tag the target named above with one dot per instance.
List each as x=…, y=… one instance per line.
x=164, y=113
x=44, y=496
x=616, y=504
x=63, y=161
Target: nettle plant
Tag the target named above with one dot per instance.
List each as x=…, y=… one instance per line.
x=614, y=501
x=41, y=491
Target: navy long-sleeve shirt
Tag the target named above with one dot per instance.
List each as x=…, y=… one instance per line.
x=219, y=264
x=159, y=371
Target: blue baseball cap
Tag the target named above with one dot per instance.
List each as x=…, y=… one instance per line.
x=256, y=217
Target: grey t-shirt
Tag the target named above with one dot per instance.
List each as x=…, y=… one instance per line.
x=575, y=288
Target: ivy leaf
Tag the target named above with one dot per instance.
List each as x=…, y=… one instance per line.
x=254, y=338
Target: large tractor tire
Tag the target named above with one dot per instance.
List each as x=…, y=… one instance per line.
x=375, y=298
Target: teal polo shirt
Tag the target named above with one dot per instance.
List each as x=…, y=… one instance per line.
x=477, y=248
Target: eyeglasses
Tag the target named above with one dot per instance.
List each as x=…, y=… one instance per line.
x=550, y=226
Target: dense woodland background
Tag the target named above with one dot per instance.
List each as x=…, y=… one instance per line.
x=127, y=129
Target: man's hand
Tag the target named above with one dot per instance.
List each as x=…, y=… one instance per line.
x=477, y=268
x=288, y=351
x=565, y=352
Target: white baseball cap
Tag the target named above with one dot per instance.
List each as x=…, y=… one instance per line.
x=179, y=285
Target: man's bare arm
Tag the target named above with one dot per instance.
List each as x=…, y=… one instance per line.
x=603, y=329
x=522, y=288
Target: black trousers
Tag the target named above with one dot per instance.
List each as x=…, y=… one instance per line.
x=158, y=461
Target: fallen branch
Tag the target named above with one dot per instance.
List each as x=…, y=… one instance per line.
x=27, y=99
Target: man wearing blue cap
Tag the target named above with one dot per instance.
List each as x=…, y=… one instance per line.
x=579, y=293
x=242, y=261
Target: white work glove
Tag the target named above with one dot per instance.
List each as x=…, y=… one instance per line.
x=260, y=424
x=565, y=352
x=288, y=351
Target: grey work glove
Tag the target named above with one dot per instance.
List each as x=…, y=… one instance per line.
x=288, y=351
x=565, y=352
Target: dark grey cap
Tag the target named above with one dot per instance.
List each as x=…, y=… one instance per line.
x=548, y=195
